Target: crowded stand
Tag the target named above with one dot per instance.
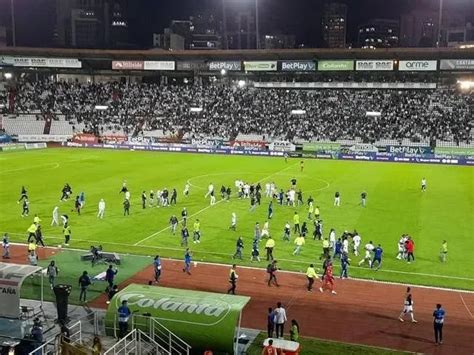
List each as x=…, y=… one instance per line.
x=226, y=110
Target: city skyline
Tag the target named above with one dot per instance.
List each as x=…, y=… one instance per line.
x=36, y=19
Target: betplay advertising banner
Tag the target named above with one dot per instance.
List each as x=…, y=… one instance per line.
x=202, y=319
x=226, y=65
x=297, y=65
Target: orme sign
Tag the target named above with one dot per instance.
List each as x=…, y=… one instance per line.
x=417, y=65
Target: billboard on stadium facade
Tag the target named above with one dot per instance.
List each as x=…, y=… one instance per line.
x=335, y=65
x=261, y=66
x=197, y=65
x=226, y=65
x=321, y=146
x=204, y=320
x=374, y=65
x=297, y=65
x=454, y=151
x=457, y=64
x=158, y=65
x=127, y=65
x=417, y=65
x=40, y=62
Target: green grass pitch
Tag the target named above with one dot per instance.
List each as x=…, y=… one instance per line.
x=395, y=206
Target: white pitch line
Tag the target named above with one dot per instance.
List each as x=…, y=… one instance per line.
x=204, y=209
x=395, y=283
x=465, y=305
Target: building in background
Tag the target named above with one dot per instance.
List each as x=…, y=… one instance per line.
x=379, y=33
x=168, y=40
x=91, y=24
x=278, y=41
x=3, y=36
x=334, y=24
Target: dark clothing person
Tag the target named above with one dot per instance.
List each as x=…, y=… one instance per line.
x=270, y=323
x=84, y=282
x=238, y=249
x=126, y=207
x=233, y=281
x=110, y=275
x=438, y=322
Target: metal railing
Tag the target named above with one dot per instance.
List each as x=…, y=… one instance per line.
x=138, y=343
x=50, y=347
x=75, y=333
x=157, y=332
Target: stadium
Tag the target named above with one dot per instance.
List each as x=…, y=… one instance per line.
x=173, y=166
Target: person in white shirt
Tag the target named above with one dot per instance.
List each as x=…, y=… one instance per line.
x=127, y=195
x=272, y=189
x=423, y=185
x=356, y=239
x=369, y=248
x=186, y=190
x=345, y=245
x=210, y=190
x=101, y=212
x=332, y=239
x=265, y=233
x=55, y=221
x=291, y=195
x=267, y=190
x=233, y=221
x=280, y=319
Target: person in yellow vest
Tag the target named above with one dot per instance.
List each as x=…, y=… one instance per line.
x=67, y=234
x=316, y=212
x=32, y=232
x=233, y=279
x=311, y=275
x=299, y=242
x=36, y=219
x=269, y=245
x=197, y=232
x=310, y=211
x=325, y=249
x=296, y=222
x=31, y=247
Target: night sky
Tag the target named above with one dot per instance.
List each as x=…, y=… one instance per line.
x=35, y=18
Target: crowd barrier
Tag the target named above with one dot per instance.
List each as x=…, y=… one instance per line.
x=367, y=156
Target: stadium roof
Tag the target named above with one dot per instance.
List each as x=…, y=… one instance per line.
x=189, y=55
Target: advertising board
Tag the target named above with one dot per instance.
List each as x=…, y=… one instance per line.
x=158, y=65
x=260, y=66
x=128, y=65
x=374, y=65
x=417, y=65
x=335, y=65
x=297, y=65
x=226, y=65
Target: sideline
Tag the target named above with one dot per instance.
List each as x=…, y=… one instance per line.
x=396, y=283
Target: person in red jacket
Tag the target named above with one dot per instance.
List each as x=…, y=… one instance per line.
x=328, y=280
x=410, y=248
x=269, y=349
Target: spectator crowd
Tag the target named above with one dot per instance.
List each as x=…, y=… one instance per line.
x=228, y=110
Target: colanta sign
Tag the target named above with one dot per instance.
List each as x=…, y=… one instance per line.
x=374, y=65
x=457, y=64
x=298, y=65
x=202, y=319
x=335, y=65
x=418, y=65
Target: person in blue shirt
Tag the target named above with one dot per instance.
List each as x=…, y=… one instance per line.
x=438, y=321
x=123, y=316
x=345, y=262
x=378, y=252
x=338, y=249
x=270, y=210
x=82, y=199
x=280, y=197
x=110, y=275
x=187, y=262
x=157, y=267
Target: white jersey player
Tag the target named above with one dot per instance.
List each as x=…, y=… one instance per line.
x=210, y=190
x=233, y=221
x=101, y=212
x=345, y=246
x=127, y=195
x=55, y=220
x=265, y=231
x=423, y=184
x=186, y=190
x=407, y=307
x=332, y=239
x=369, y=248
x=356, y=239
x=268, y=190
x=401, y=247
